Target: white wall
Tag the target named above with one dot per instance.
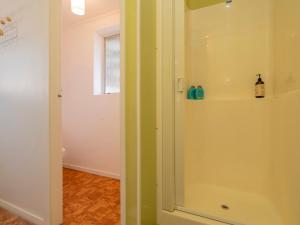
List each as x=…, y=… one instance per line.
x=24, y=117
x=228, y=47
x=227, y=144
x=286, y=111
x=286, y=156
x=227, y=134
x=91, y=124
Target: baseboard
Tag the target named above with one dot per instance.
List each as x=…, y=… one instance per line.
x=92, y=171
x=22, y=213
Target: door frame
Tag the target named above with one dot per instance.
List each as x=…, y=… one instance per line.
x=55, y=136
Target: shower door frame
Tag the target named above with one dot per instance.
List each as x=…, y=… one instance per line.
x=171, y=88
x=170, y=71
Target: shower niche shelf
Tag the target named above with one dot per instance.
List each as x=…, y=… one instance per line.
x=228, y=100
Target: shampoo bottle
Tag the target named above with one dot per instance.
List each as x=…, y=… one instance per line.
x=199, y=93
x=259, y=87
x=191, y=93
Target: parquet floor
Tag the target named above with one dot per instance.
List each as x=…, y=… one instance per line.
x=6, y=218
x=88, y=200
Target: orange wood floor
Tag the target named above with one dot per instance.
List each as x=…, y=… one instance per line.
x=7, y=218
x=88, y=200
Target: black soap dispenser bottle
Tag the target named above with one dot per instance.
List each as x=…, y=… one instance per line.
x=259, y=87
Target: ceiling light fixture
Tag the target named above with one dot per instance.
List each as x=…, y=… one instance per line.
x=78, y=7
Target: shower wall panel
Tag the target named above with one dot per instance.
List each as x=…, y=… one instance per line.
x=227, y=136
x=286, y=111
x=227, y=47
x=227, y=144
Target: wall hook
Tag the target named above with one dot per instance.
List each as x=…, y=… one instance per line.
x=8, y=29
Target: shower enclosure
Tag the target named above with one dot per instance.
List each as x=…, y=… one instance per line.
x=230, y=158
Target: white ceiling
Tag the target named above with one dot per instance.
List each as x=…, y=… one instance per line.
x=93, y=8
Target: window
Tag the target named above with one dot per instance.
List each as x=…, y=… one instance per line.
x=106, y=79
x=112, y=64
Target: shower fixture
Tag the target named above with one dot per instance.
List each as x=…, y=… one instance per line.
x=228, y=3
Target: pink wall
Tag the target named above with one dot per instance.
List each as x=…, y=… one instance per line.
x=91, y=124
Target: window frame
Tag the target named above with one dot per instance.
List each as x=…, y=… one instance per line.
x=104, y=73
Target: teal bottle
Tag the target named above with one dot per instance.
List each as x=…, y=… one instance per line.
x=191, y=93
x=199, y=93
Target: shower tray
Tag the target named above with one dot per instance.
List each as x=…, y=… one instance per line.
x=229, y=206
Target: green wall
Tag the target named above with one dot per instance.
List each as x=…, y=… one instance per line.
x=131, y=115
x=196, y=4
x=147, y=110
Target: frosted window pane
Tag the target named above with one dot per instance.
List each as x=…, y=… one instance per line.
x=112, y=65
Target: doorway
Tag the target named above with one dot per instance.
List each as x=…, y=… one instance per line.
x=91, y=111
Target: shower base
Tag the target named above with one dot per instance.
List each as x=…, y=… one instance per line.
x=231, y=206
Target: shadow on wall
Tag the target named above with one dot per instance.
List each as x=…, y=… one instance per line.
x=196, y=4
